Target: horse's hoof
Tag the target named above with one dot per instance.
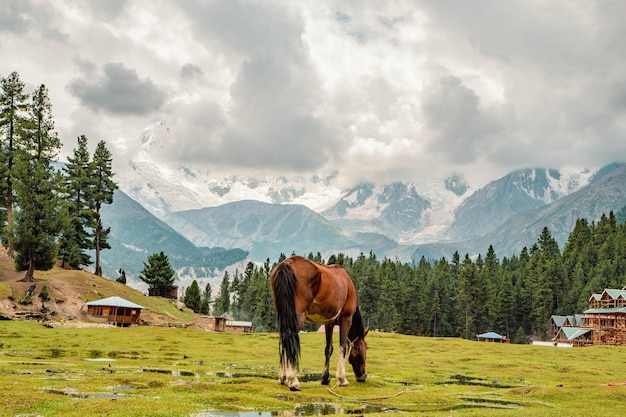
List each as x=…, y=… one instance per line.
x=295, y=387
x=344, y=384
x=325, y=381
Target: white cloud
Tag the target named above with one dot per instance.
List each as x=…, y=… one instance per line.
x=379, y=91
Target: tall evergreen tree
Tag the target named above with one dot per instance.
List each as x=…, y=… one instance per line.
x=235, y=294
x=192, y=297
x=158, y=274
x=37, y=220
x=205, y=300
x=222, y=301
x=78, y=214
x=36, y=185
x=13, y=109
x=467, y=292
x=104, y=188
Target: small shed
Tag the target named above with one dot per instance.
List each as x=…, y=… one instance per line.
x=215, y=323
x=492, y=337
x=116, y=310
x=239, y=326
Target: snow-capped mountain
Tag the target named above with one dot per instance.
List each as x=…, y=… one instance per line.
x=441, y=210
x=164, y=189
x=519, y=191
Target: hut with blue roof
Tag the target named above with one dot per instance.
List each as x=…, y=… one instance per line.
x=492, y=337
x=117, y=310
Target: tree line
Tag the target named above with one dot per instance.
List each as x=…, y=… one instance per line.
x=48, y=213
x=460, y=297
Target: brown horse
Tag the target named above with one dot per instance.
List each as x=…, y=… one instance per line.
x=308, y=291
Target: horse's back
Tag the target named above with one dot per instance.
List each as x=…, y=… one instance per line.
x=322, y=292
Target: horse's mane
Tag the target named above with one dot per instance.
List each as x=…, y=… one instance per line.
x=358, y=328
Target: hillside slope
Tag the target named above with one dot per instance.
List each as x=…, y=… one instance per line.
x=137, y=234
x=69, y=290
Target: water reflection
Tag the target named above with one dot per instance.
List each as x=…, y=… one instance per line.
x=168, y=372
x=302, y=410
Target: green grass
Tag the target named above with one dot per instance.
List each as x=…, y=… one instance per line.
x=128, y=372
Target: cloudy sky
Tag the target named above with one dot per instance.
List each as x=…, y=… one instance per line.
x=379, y=91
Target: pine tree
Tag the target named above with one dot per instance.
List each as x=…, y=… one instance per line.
x=205, y=301
x=13, y=107
x=468, y=278
x=104, y=188
x=122, y=278
x=78, y=214
x=192, y=298
x=40, y=139
x=222, y=301
x=158, y=274
x=37, y=220
x=36, y=187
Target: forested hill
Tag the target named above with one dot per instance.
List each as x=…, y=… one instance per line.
x=461, y=296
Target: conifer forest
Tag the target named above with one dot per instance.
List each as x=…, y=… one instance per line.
x=462, y=296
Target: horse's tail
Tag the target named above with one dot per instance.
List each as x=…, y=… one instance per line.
x=285, y=282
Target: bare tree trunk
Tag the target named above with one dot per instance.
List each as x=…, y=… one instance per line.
x=11, y=250
x=98, y=270
x=30, y=272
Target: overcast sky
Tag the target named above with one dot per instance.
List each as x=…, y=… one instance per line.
x=377, y=90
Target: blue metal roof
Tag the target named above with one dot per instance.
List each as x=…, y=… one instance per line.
x=490, y=335
x=114, y=302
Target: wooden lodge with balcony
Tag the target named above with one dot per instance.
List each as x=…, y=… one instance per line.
x=604, y=323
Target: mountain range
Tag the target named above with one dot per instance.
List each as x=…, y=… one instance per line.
x=207, y=223
x=401, y=220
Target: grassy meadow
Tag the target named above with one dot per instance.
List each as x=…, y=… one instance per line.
x=160, y=371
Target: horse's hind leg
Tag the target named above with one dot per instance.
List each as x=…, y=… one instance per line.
x=282, y=375
x=328, y=352
x=291, y=377
x=288, y=375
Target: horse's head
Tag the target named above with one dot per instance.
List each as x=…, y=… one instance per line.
x=357, y=357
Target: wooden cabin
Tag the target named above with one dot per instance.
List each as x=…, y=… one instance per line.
x=607, y=317
x=604, y=323
x=116, y=310
x=574, y=336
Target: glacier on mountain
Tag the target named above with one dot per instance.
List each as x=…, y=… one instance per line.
x=409, y=213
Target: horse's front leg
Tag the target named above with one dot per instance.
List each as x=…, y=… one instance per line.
x=343, y=353
x=328, y=352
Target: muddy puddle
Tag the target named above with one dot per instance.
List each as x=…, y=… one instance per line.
x=168, y=372
x=113, y=392
x=302, y=410
x=271, y=375
x=477, y=381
